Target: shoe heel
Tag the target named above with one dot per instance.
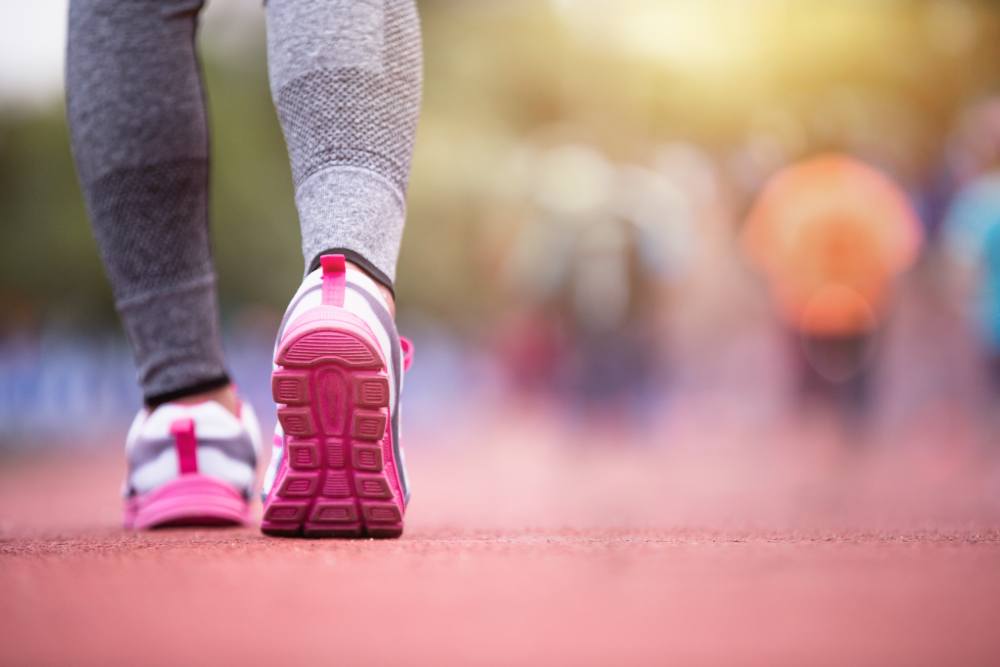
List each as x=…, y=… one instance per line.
x=338, y=476
x=189, y=500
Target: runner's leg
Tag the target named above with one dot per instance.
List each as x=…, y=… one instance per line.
x=346, y=80
x=137, y=116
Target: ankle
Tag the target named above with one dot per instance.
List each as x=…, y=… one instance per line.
x=224, y=396
x=390, y=301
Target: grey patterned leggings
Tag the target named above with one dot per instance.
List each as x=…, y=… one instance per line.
x=345, y=79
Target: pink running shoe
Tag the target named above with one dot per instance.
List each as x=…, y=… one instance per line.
x=190, y=465
x=337, y=468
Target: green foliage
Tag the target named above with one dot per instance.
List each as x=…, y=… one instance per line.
x=49, y=260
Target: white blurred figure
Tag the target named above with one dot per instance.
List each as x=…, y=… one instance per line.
x=597, y=261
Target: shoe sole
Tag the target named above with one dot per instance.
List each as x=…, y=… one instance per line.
x=338, y=476
x=189, y=500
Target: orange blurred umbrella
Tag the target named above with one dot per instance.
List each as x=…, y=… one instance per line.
x=831, y=234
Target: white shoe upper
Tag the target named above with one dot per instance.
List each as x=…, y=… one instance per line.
x=226, y=446
x=362, y=298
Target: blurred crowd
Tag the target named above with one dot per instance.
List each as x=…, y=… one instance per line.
x=604, y=251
